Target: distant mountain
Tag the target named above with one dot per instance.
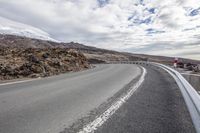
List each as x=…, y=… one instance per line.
x=14, y=41
x=15, y=28
x=164, y=59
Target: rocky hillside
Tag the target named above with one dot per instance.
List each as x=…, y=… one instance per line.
x=13, y=41
x=93, y=54
x=34, y=62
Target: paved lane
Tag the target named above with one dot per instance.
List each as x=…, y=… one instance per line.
x=156, y=107
x=51, y=104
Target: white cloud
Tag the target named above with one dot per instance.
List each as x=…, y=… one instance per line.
x=140, y=26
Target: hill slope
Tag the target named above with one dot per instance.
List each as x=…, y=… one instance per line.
x=94, y=55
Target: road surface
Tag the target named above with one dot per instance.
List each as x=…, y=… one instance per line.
x=156, y=107
x=50, y=105
x=68, y=102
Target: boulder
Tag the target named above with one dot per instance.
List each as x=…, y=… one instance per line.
x=33, y=58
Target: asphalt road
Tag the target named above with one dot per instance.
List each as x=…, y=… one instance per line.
x=49, y=105
x=156, y=107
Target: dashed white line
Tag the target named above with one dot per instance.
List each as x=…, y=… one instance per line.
x=91, y=127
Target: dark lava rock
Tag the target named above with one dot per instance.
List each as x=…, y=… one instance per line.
x=19, y=63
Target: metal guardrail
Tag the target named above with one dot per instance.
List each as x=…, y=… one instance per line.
x=190, y=95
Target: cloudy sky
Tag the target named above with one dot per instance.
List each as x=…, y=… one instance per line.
x=170, y=27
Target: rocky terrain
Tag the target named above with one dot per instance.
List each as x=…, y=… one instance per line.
x=34, y=62
x=93, y=54
x=28, y=57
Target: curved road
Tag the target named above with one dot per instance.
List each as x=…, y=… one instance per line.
x=156, y=107
x=49, y=105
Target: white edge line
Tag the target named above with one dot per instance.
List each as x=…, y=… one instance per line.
x=91, y=127
x=17, y=82
x=191, y=74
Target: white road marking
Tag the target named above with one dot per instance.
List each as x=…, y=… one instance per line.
x=91, y=127
x=190, y=74
x=17, y=82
